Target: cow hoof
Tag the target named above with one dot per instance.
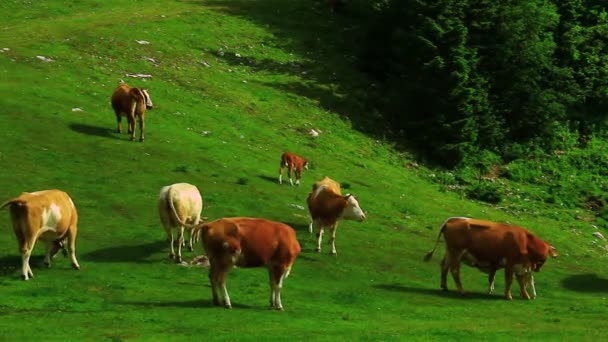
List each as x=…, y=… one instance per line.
x=333, y=253
x=228, y=306
x=47, y=264
x=76, y=266
x=508, y=298
x=444, y=288
x=141, y=140
x=279, y=308
x=317, y=250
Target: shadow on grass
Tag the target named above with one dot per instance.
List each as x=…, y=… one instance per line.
x=11, y=263
x=270, y=179
x=92, y=130
x=131, y=253
x=586, y=283
x=199, y=303
x=436, y=292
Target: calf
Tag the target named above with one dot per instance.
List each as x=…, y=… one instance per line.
x=179, y=207
x=327, y=206
x=293, y=163
x=491, y=244
x=131, y=102
x=248, y=242
x=525, y=273
x=49, y=215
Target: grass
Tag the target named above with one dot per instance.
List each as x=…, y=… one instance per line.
x=276, y=70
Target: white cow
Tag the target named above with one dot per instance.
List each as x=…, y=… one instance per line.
x=179, y=206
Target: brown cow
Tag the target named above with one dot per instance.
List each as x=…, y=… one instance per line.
x=248, y=242
x=491, y=244
x=49, y=215
x=131, y=102
x=327, y=206
x=179, y=206
x=293, y=163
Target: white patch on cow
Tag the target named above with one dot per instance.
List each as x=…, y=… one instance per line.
x=50, y=219
x=353, y=210
x=318, y=191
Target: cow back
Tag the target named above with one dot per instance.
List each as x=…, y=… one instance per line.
x=51, y=209
x=259, y=241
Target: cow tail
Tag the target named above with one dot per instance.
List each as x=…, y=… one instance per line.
x=175, y=216
x=11, y=202
x=429, y=255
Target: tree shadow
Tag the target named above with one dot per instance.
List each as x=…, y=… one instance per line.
x=436, y=292
x=132, y=253
x=92, y=130
x=586, y=283
x=323, y=45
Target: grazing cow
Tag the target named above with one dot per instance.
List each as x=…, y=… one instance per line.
x=491, y=245
x=179, y=206
x=49, y=215
x=326, y=206
x=131, y=102
x=293, y=163
x=248, y=242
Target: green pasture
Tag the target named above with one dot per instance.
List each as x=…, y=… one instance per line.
x=236, y=83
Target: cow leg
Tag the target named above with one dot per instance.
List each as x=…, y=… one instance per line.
x=190, y=240
x=50, y=251
x=531, y=283
x=276, y=274
x=26, y=251
x=319, y=231
x=454, y=265
x=332, y=240
x=289, y=169
x=298, y=176
x=140, y=118
x=180, y=242
x=118, y=123
x=444, y=273
x=213, y=279
x=508, y=281
x=72, y=247
x=281, y=174
x=491, y=278
x=222, y=283
x=171, y=243
x=131, y=121
x=523, y=275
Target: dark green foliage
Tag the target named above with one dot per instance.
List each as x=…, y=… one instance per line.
x=458, y=77
x=485, y=192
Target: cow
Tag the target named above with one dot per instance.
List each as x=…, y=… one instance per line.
x=131, y=102
x=327, y=206
x=179, y=206
x=490, y=244
x=48, y=215
x=248, y=242
x=293, y=163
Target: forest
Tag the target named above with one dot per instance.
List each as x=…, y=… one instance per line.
x=465, y=82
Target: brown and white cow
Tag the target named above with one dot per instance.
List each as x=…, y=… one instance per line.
x=179, y=207
x=49, y=215
x=293, y=163
x=248, y=242
x=327, y=206
x=490, y=244
x=131, y=102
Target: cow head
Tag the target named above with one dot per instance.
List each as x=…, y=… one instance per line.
x=148, y=99
x=352, y=211
x=539, y=251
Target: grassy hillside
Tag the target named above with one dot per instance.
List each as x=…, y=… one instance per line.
x=235, y=83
